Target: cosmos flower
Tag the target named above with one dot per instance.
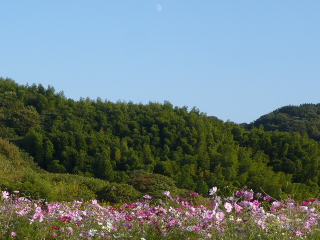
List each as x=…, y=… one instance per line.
x=5, y=194
x=147, y=197
x=228, y=207
x=213, y=190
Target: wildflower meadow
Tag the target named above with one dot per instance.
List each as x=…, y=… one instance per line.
x=245, y=215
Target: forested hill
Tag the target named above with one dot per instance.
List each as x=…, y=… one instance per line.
x=304, y=119
x=136, y=144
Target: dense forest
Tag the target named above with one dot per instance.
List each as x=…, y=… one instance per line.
x=55, y=147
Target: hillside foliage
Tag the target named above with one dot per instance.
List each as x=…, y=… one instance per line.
x=304, y=119
x=142, y=147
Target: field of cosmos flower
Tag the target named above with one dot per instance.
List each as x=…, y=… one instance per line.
x=245, y=215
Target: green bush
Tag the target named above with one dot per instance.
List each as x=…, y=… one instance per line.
x=118, y=193
x=153, y=184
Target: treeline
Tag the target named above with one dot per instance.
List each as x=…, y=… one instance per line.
x=135, y=144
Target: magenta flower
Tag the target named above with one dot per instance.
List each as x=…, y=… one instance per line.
x=196, y=229
x=248, y=196
x=305, y=203
x=256, y=203
x=55, y=227
x=267, y=198
x=239, y=193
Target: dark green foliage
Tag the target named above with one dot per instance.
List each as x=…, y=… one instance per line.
x=55, y=166
x=202, y=188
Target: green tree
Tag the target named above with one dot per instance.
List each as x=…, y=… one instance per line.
x=33, y=144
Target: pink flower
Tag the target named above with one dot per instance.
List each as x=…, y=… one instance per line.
x=166, y=193
x=220, y=216
x=238, y=208
x=248, y=196
x=147, y=197
x=256, y=203
x=185, y=204
x=258, y=195
x=228, y=207
x=13, y=234
x=5, y=194
x=275, y=206
x=70, y=229
x=299, y=234
x=140, y=212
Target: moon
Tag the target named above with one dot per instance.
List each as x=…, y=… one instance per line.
x=159, y=7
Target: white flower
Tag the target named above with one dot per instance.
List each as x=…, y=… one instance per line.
x=118, y=235
x=92, y=232
x=166, y=193
x=189, y=228
x=5, y=194
x=228, y=207
x=213, y=190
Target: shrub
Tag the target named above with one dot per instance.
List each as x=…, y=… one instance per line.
x=153, y=184
x=118, y=193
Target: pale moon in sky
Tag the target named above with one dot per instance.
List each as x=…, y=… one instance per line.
x=159, y=7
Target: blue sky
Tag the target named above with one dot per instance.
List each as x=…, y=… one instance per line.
x=236, y=60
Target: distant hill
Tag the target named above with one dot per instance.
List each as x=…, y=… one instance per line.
x=88, y=148
x=304, y=119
